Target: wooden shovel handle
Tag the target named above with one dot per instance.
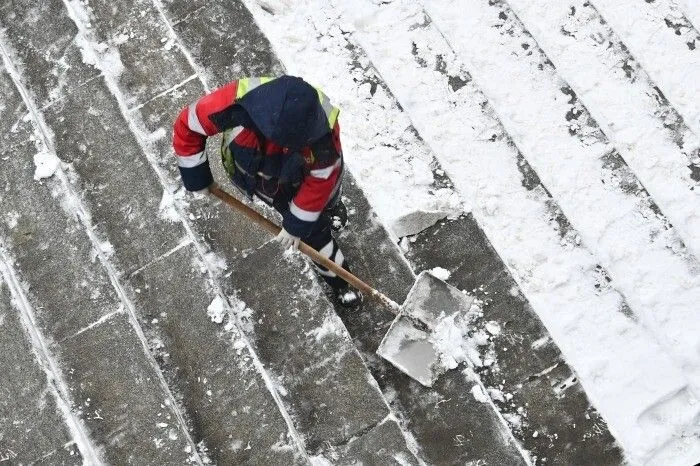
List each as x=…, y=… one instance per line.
x=306, y=249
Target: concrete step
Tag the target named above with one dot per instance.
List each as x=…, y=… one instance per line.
x=114, y=389
x=331, y=394
x=140, y=238
x=33, y=430
x=534, y=388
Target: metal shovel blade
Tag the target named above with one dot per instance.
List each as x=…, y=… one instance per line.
x=412, y=350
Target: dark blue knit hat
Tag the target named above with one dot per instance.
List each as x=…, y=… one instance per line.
x=287, y=111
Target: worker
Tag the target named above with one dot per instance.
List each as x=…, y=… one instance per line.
x=281, y=143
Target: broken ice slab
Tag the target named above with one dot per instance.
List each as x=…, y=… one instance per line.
x=413, y=351
x=414, y=222
x=431, y=300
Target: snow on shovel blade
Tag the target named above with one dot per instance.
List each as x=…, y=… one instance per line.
x=414, y=351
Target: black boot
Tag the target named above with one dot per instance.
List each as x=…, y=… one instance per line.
x=348, y=297
x=338, y=215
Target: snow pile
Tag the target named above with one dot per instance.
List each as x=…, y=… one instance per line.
x=46, y=165
x=439, y=272
x=217, y=310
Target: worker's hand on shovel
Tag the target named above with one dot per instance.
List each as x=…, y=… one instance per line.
x=287, y=240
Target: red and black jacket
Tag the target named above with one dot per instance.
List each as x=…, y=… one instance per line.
x=250, y=112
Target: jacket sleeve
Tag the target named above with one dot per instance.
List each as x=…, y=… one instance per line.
x=318, y=186
x=190, y=131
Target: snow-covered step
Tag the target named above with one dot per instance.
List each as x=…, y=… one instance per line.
x=616, y=218
x=116, y=400
x=394, y=169
x=666, y=44
x=508, y=201
x=691, y=10
x=650, y=135
x=32, y=425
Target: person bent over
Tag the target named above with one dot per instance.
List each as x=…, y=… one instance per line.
x=281, y=143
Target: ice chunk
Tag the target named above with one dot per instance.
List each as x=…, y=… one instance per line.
x=417, y=221
x=46, y=165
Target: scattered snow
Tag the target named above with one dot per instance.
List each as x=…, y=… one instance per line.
x=319, y=461
x=214, y=262
x=101, y=248
x=331, y=326
x=11, y=218
x=166, y=209
x=493, y=327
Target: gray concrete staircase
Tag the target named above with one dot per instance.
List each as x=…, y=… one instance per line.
x=145, y=375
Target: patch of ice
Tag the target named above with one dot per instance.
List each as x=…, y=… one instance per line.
x=46, y=165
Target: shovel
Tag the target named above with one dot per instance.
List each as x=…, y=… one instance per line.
x=411, y=343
